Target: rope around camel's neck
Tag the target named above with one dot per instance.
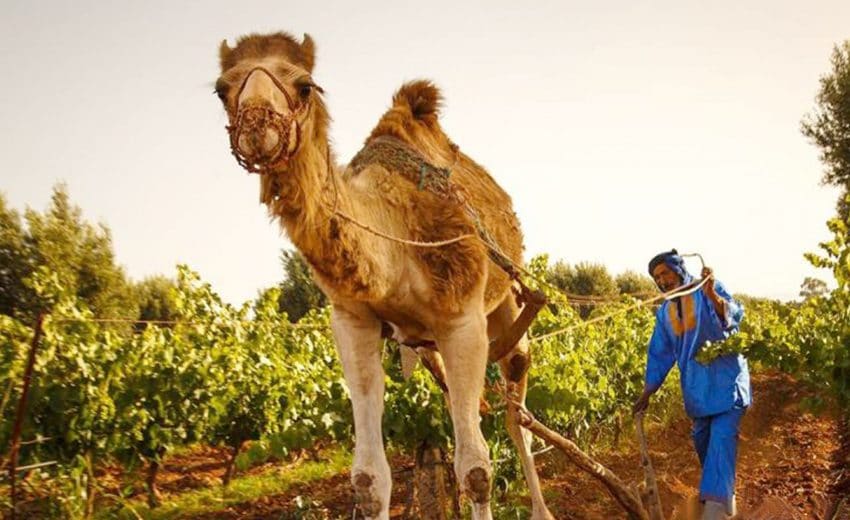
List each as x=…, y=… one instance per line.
x=308, y=196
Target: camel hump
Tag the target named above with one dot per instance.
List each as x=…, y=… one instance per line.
x=421, y=97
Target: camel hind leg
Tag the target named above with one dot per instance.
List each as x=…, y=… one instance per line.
x=514, y=368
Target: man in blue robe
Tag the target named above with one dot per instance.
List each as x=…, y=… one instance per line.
x=716, y=394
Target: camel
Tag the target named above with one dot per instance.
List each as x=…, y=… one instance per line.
x=448, y=302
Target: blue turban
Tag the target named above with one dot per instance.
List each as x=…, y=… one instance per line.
x=675, y=262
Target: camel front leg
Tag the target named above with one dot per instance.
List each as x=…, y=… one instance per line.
x=358, y=340
x=464, y=351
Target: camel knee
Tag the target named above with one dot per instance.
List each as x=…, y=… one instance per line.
x=370, y=478
x=517, y=366
x=477, y=485
x=367, y=494
x=472, y=467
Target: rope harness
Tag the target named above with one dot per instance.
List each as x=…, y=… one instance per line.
x=397, y=156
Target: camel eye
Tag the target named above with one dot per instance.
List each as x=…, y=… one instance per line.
x=221, y=92
x=304, y=90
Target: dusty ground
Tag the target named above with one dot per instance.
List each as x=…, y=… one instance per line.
x=792, y=464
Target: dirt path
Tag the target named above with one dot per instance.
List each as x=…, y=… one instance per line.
x=792, y=464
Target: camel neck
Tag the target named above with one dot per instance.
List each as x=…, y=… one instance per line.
x=303, y=198
x=299, y=194
x=309, y=192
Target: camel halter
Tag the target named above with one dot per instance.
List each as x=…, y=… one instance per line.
x=258, y=119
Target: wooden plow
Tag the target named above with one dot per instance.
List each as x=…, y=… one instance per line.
x=639, y=504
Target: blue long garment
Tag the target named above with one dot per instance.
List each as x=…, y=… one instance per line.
x=682, y=326
x=716, y=441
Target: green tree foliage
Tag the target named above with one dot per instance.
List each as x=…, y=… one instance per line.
x=812, y=288
x=828, y=126
x=298, y=293
x=61, y=242
x=79, y=253
x=155, y=297
x=561, y=275
x=585, y=279
x=13, y=261
x=593, y=279
x=810, y=339
x=826, y=341
x=632, y=282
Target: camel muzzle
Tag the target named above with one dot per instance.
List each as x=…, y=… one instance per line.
x=262, y=139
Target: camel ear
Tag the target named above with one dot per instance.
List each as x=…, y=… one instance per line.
x=308, y=52
x=223, y=53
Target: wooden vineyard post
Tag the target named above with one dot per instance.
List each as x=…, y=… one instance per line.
x=429, y=476
x=19, y=414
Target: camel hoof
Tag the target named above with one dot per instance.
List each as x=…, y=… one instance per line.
x=365, y=495
x=478, y=485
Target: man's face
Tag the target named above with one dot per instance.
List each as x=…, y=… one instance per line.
x=665, y=277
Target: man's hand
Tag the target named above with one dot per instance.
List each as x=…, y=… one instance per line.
x=642, y=402
x=708, y=272
x=717, y=302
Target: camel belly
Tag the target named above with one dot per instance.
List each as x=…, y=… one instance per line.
x=408, y=327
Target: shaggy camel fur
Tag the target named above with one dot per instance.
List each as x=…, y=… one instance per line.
x=453, y=296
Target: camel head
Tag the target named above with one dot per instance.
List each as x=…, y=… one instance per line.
x=272, y=102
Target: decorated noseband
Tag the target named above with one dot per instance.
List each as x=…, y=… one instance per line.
x=259, y=120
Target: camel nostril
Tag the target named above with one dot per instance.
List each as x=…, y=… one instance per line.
x=245, y=146
x=262, y=138
x=258, y=143
x=271, y=141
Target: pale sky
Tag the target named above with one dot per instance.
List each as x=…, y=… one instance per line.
x=619, y=128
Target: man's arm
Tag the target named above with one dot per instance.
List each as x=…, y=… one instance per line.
x=709, y=289
x=726, y=309
x=659, y=360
